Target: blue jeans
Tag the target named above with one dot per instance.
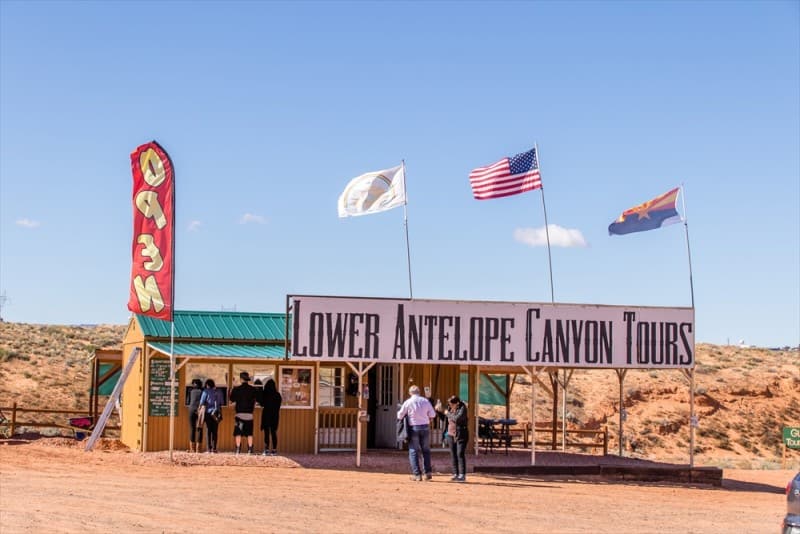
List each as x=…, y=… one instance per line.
x=419, y=438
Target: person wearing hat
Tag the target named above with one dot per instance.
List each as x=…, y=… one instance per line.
x=244, y=397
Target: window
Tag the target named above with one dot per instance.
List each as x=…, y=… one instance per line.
x=331, y=386
x=215, y=371
x=295, y=387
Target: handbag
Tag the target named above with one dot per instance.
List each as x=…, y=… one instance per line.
x=216, y=415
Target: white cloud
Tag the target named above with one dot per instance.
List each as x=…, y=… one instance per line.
x=27, y=223
x=559, y=237
x=250, y=218
x=194, y=225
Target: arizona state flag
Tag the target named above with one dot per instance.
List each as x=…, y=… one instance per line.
x=650, y=215
x=152, y=272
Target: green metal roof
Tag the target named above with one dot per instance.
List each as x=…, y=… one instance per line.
x=218, y=325
x=222, y=350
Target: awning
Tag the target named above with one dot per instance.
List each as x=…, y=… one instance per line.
x=221, y=350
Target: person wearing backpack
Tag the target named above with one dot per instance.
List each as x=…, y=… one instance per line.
x=211, y=400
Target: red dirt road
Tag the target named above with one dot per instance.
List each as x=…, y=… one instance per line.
x=55, y=486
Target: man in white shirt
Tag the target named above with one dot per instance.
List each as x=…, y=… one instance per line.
x=419, y=412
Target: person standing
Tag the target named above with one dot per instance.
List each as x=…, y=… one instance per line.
x=211, y=400
x=457, y=435
x=195, y=425
x=244, y=396
x=270, y=401
x=419, y=412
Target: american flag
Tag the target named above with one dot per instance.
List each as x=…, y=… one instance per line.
x=507, y=177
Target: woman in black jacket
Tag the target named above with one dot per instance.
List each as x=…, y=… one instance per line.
x=270, y=401
x=457, y=436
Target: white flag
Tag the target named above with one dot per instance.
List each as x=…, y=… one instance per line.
x=373, y=192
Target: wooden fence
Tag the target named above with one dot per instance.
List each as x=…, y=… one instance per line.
x=10, y=423
x=520, y=433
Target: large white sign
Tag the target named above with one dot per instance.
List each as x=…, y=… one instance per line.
x=490, y=333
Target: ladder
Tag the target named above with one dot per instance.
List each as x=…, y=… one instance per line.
x=112, y=400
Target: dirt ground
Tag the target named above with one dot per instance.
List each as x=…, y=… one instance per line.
x=53, y=485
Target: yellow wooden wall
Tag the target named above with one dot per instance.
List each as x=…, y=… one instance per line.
x=132, y=396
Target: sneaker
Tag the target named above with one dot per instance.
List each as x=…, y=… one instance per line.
x=249, y=450
x=273, y=453
x=428, y=476
x=454, y=478
x=238, y=450
x=416, y=478
x=265, y=453
x=462, y=478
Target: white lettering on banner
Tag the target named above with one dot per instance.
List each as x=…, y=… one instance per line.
x=491, y=333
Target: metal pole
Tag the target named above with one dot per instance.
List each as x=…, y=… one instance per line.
x=172, y=389
x=621, y=377
x=688, y=249
x=546, y=229
x=358, y=417
x=692, y=420
x=564, y=413
x=533, y=415
x=405, y=224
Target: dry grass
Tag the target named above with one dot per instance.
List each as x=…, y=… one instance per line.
x=743, y=396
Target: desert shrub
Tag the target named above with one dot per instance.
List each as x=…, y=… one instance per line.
x=14, y=355
x=706, y=369
x=771, y=435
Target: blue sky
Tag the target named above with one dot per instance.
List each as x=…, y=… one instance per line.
x=269, y=109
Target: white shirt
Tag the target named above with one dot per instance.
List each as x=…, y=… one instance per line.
x=418, y=409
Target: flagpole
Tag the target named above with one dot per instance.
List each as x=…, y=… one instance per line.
x=692, y=416
x=405, y=224
x=546, y=229
x=688, y=250
x=171, y=388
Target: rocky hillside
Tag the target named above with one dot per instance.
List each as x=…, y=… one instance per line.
x=744, y=396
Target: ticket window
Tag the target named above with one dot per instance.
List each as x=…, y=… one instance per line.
x=218, y=372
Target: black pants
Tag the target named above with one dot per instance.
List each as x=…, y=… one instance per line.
x=458, y=451
x=195, y=432
x=212, y=433
x=271, y=431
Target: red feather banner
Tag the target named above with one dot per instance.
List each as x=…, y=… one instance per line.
x=152, y=270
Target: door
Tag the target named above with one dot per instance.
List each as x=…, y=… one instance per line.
x=387, y=396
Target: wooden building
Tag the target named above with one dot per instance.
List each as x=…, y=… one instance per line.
x=321, y=401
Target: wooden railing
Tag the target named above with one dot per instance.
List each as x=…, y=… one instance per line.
x=10, y=422
x=337, y=429
x=582, y=438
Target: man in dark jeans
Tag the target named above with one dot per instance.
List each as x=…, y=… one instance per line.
x=419, y=412
x=244, y=396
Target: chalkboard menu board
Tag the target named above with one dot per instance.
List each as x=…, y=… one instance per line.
x=159, y=388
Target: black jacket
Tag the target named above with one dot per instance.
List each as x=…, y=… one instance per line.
x=271, y=408
x=460, y=420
